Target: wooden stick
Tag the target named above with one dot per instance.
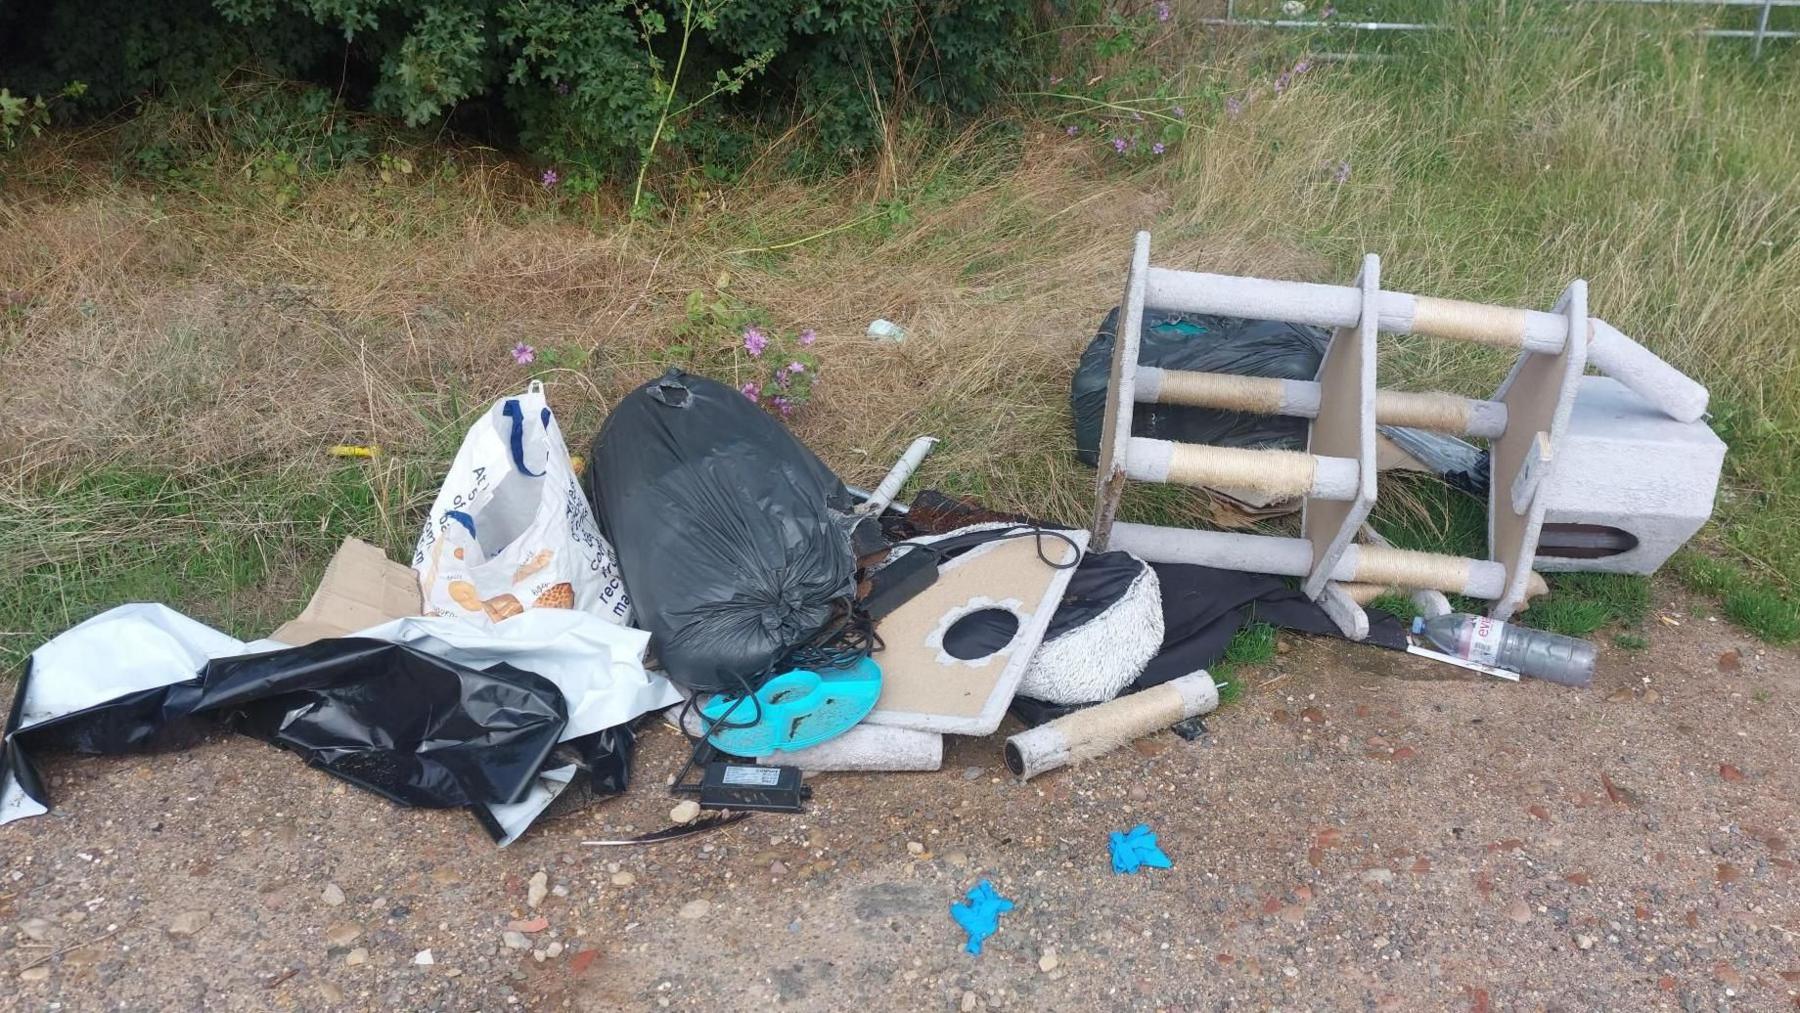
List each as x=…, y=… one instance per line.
x=115, y=930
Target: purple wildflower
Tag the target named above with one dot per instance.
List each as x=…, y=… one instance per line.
x=549, y=178
x=1162, y=10
x=751, y=390
x=1055, y=79
x=1302, y=67
x=1281, y=82
x=1342, y=173
x=755, y=341
x=524, y=354
x=783, y=405
x=1157, y=148
x=562, y=87
x=1072, y=130
x=1119, y=144
x=796, y=367
x=1233, y=106
x=807, y=337
x=1178, y=112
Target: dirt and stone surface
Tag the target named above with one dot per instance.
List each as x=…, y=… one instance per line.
x=1362, y=830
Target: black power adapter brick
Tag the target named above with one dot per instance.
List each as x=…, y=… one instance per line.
x=749, y=786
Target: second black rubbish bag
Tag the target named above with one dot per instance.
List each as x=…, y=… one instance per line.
x=732, y=537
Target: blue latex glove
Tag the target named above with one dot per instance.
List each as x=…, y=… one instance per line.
x=1137, y=848
x=980, y=917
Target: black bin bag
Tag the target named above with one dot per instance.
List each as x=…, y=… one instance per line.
x=732, y=537
x=1205, y=344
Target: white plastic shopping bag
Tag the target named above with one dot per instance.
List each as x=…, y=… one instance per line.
x=511, y=529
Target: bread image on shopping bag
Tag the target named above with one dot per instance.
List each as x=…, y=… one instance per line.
x=511, y=529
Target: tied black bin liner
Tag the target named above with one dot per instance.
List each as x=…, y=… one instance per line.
x=417, y=729
x=732, y=537
x=1206, y=344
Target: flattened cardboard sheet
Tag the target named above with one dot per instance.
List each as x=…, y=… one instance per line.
x=361, y=588
x=925, y=687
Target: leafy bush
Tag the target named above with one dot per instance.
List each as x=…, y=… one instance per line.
x=22, y=117
x=590, y=85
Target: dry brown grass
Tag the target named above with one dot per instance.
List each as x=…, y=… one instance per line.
x=193, y=333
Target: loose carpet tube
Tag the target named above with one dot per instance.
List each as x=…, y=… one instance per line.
x=896, y=477
x=868, y=747
x=1097, y=730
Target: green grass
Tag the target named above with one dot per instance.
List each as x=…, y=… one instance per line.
x=1535, y=142
x=1399, y=606
x=1426, y=515
x=1630, y=642
x=1581, y=603
x=239, y=550
x=1252, y=645
x=1757, y=605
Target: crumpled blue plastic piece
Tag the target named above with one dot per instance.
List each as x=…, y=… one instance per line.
x=980, y=917
x=1136, y=848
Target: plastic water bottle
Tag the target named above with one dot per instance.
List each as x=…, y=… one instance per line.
x=1548, y=656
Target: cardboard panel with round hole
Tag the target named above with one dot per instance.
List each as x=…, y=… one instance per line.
x=927, y=681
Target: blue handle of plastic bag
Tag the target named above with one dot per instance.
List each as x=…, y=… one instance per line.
x=512, y=410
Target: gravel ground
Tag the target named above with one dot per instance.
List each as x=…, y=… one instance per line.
x=1361, y=831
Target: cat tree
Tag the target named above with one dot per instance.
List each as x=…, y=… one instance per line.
x=1524, y=423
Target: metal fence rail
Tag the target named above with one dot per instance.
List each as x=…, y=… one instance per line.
x=1757, y=35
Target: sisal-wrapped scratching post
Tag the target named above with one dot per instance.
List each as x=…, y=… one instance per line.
x=1098, y=730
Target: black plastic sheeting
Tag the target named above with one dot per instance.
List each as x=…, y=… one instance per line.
x=606, y=755
x=1203, y=608
x=412, y=727
x=732, y=536
x=1462, y=465
x=1203, y=343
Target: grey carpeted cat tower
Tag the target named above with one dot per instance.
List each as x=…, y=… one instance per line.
x=1649, y=503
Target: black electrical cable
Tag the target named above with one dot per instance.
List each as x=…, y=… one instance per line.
x=950, y=544
x=847, y=639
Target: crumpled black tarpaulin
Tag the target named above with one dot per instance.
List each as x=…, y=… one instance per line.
x=412, y=727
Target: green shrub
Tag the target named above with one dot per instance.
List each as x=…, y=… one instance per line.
x=589, y=86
